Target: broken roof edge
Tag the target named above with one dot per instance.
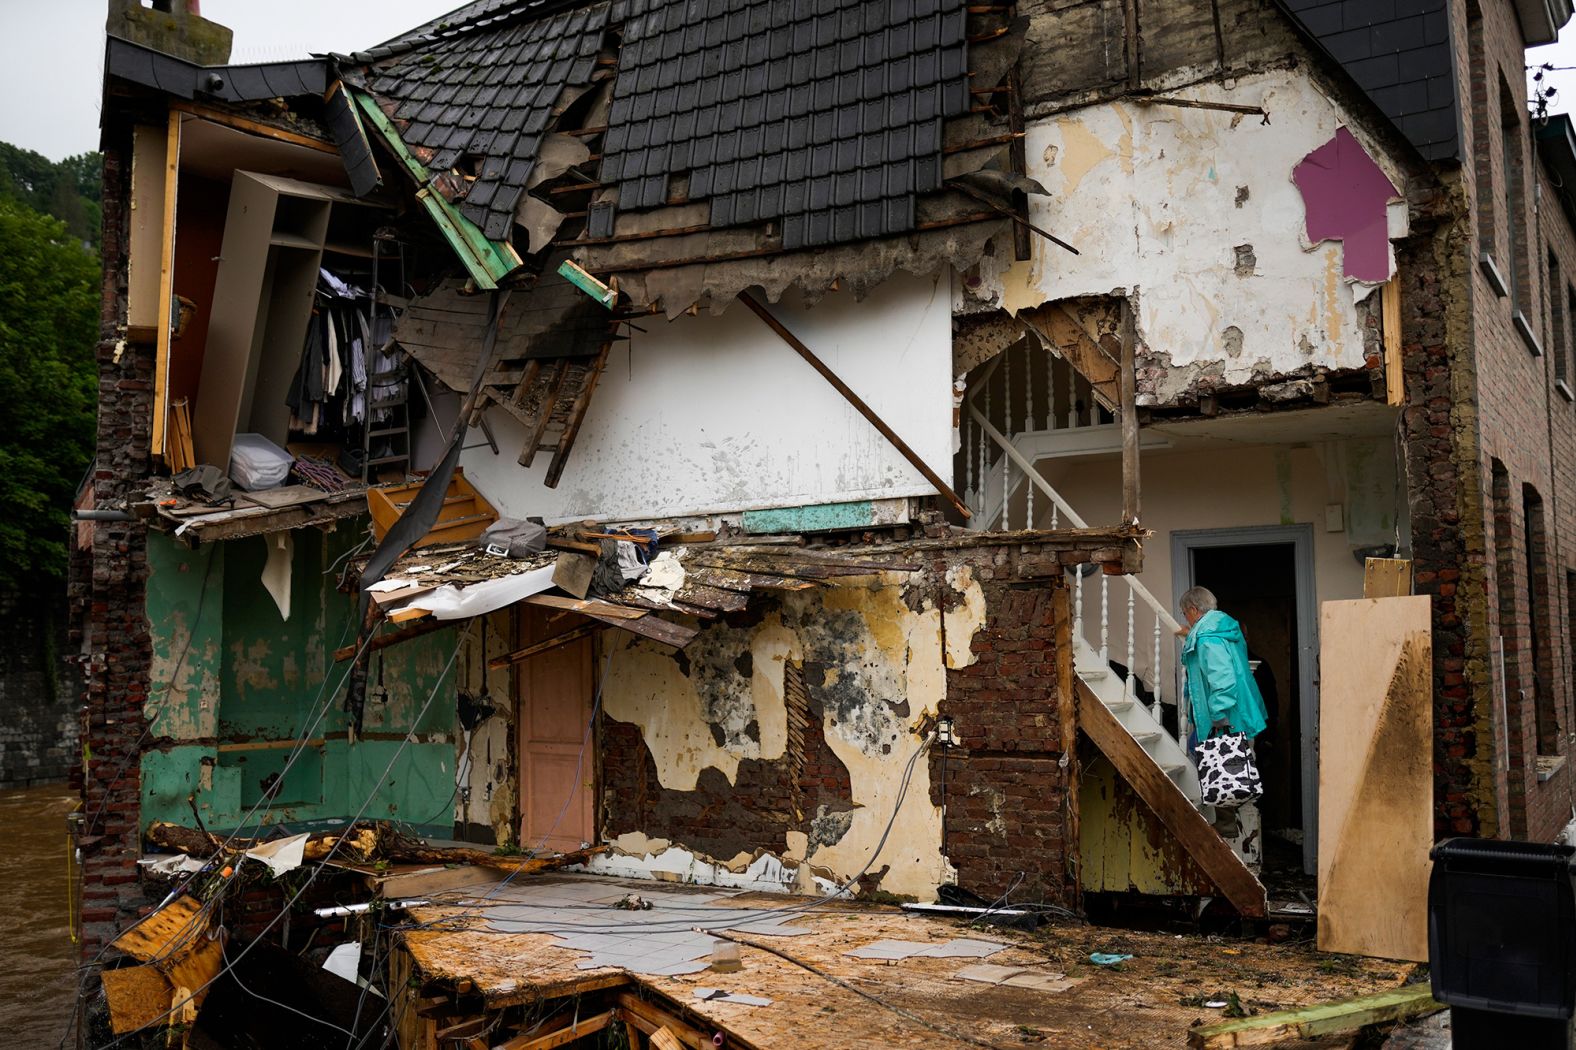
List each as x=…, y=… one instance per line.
x=235, y=82
x=487, y=261
x=444, y=29
x=858, y=266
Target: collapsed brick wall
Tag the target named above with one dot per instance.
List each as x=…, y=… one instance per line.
x=1011, y=797
x=114, y=632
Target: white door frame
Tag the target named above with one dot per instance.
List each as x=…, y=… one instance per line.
x=1183, y=543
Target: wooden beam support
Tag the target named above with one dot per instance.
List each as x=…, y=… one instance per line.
x=642, y=1010
x=564, y=1035
x=1390, y=331
x=383, y=641
x=756, y=307
x=1314, y=1022
x=498, y=663
x=254, y=127
x=161, y=358
x=1128, y=382
x=1185, y=823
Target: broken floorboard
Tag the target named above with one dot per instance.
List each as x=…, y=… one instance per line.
x=1150, y=1000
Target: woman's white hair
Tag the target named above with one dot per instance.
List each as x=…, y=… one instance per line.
x=1199, y=599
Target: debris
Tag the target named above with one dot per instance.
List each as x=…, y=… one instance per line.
x=957, y=948
x=633, y=902
x=281, y=855
x=717, y=995
x=345, y=961
x=1107, y=958
x=1018, y=977
x=172, y=864
x=1312, y=1022
x=335, y=911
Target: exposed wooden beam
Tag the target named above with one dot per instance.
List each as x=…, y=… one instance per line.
x=161, y=358
x=383, y=641
x=854, y=399
x=498, y=663
x=1128, y=381
x=564, y=1035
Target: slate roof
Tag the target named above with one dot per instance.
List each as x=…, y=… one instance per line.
x=487, y=92
x=824, y=114
x=1399, y=53
x=233, y=83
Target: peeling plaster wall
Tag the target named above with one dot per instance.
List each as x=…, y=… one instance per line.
x=709, y=414
x=233, y=685
x=698, y=745
x=485, y=764
x=1196, y=211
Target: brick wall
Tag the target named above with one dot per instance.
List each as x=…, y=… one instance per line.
x=1011, y=802
x=114, y=631
x=1523, y=423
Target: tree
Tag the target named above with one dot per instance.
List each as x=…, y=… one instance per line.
x=48, y=330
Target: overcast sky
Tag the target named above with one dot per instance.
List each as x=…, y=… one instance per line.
x=52, y=55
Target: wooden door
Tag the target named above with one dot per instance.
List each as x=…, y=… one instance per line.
x=555, y=690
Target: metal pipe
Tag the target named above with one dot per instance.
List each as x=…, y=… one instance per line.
x=102, y=515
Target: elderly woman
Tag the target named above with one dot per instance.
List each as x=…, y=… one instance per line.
x=1222, y=696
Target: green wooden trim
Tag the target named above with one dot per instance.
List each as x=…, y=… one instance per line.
x=586, y=283
x=1311, y=1022
x=487, y=261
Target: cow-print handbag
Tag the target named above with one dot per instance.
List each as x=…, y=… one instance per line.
x=1227, y=774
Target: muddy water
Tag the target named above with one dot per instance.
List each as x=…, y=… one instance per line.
x=36, y=957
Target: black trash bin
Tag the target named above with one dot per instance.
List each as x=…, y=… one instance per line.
x=1502, y=941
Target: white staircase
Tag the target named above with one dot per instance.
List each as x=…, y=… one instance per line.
x=1139, y=721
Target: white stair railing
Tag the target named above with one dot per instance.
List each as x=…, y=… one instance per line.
x=1162, y=625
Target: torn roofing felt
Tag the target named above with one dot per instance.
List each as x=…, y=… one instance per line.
x=825, y=118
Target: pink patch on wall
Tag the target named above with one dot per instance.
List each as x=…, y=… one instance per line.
x=1347, y=199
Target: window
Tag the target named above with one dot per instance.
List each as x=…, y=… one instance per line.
x=1519, y=259
x=1556, y=332
x=1539, y=642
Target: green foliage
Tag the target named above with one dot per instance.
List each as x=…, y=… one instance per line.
x=71, y=190
x=48, y=329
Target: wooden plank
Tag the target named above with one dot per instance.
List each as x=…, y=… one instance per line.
x=383, y=641
x=137, y=997
x=1387, y=578
x=644, y=1010
x=572, y=573
x=1185, y=823
x=498, y=663
x=588, y=606
x=407, y=615
x=657, y=629
x=1390, y=325
x=577, y=413
x=424, y=881
x=544, y=413
x=569, y=1034
x=662, y=1039
x=161, y=359
x=1376, y=776
x=1129, y=418
x=1315, y=1022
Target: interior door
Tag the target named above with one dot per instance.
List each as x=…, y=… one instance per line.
x=555, y=691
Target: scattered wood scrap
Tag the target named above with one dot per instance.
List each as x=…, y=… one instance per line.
x=1312, y=1022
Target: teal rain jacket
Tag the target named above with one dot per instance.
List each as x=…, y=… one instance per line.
x=1220, y=684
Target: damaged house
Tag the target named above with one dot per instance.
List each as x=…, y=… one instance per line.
x=880, y=374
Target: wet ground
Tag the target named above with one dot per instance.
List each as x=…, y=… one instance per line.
x=37, y=960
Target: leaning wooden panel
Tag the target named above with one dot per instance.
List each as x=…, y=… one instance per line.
x=1376, y=787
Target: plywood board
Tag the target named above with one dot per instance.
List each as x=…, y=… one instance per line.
x=161, y=358
x=1376, y=785
x=137, y=997
x=1387, y=578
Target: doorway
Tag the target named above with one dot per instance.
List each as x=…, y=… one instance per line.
x=555, y=691
x=1263, y=578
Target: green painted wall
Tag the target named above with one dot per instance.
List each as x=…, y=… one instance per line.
x=234, y=685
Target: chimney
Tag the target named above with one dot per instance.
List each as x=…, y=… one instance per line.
x=174, y=27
